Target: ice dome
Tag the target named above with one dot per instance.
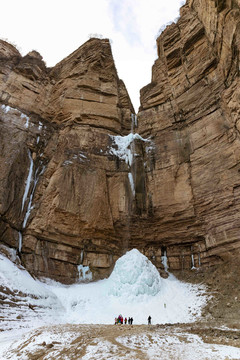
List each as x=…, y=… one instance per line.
x=134, y=275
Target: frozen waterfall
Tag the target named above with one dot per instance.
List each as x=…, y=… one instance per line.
x=124, y=148
x=29, y=178
x=133, y=289
x=29, y=208
x=165, y=261
x=19, y=241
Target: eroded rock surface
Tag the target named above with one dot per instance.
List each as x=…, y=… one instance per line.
x=60, y=187
x=191, y=110
x=68, y=195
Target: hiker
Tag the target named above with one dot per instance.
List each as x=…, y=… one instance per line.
x=120, y=319
x=125, y=320
x=129, y=321
x=149, y=320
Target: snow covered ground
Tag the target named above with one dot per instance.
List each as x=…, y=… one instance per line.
x=114, y=342
x=134, y=289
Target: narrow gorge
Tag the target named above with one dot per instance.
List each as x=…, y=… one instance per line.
x=84, y=179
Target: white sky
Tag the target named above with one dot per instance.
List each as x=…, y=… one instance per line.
x=55, y=28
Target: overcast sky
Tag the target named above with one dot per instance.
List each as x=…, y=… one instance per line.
x=55, y=28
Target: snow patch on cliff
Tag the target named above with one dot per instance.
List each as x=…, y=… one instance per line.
x=122, y=146
x=8, y=109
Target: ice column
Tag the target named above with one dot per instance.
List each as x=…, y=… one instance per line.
x=19, y=241
x=81, y=256
x=132, y=174
x=199, y=259
x=193, y=265
x=29, y=208
x=130, y=178
x=26, y=191
x=164, y=261
x=134, y=123
x=29, y=178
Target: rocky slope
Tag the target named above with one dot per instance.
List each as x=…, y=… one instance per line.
x=191, y=110
x=76, y=191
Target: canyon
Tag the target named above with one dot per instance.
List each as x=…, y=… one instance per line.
x=84, y=179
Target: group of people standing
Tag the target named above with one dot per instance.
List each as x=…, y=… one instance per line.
x=120, y=320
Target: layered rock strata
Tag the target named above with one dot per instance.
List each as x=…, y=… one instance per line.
x=191, y=111
x=78, y=187
x=63, y=196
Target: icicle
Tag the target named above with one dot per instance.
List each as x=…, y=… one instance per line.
x=29, y=178
x=199, y=259
x=134, y=123
x=135, y=120
x=130, y=177
x=29, y=208
x=27, y=123
x=164, y=261
x=27, y=215
x=81, y=256
x=19, y=241
x=193, y=265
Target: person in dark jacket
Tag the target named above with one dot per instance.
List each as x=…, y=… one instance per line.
x=149, y=320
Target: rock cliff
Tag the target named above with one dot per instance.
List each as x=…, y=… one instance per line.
x=78, y=188
x=63, y=196
x=191, y=110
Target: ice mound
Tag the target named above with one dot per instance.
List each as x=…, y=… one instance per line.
x=134, y=275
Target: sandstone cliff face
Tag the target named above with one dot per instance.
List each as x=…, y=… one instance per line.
x=191, y=110
x=77, y=188
x=63, y=195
